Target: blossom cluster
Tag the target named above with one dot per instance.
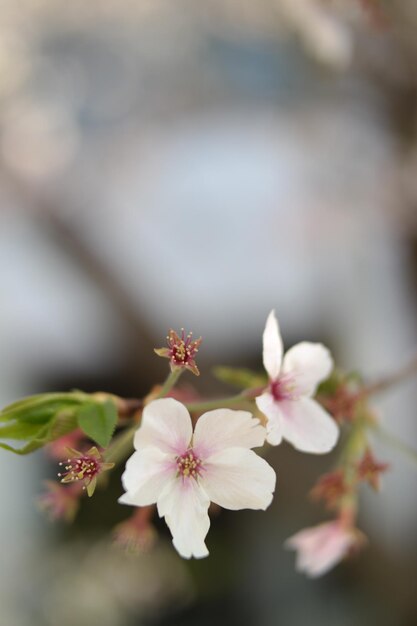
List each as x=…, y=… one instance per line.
x=189, y=454
x=182, y=470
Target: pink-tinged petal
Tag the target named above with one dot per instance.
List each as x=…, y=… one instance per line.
x=309, y=364
x=267, y=404
x=308, y=426
x=225, y=428
x=184, y=504
x=146, y=475
x=238, y=478
x=320, y=547
x=272, y=347
x=166, y=424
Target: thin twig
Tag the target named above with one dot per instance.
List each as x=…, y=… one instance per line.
x=389, y=381
x=396, y=443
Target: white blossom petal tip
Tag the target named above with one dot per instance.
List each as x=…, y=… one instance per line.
x=166, y=424
x=308, y=427
x=185, y=508
x=238, y=478
x=272, y=346
x=308, y=364
x=145, y=476
x=125, y=499
x=227, y=428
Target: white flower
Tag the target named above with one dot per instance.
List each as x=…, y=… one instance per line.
x=182, y=471
x=291, y=412
x=321, y=547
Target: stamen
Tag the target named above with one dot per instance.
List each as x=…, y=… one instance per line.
x=181, y=350
x=84, y=467
x=284, y=388
x=80, y=468
x=189, y=465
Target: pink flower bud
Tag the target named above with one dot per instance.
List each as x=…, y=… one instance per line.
x=58, y=502
x=321, y=547
x=137, y=534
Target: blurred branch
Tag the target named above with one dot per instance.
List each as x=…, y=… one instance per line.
x=396, y=443
x=393, y=379
x=82, y=254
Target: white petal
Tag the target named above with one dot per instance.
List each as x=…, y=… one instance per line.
x=184, y=504
x=308, y=426
x=270, y=408
x=238, y=479
x=166, y=424
x=272, y=347
x=146, y=475
x=225, y=428
x=310, y=363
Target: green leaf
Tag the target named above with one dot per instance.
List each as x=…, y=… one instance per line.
x=98, y=421
x=29, y=447
x=239, y=377
x=40, y=419
x=38, y=441
x=65, y=422
x=19, y=430
x=42, y=407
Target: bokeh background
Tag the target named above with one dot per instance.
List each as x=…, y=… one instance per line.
x=169, y=163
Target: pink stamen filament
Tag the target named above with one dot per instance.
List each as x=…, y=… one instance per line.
x=82, y=468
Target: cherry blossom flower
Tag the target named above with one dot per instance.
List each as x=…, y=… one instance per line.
x=181, y=351
x=321, y=547
x=182, y=471
x=287, y=403
x=84, y=467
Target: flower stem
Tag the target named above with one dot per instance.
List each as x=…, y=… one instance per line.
x=353, y=449
x=170, y=382
x=121, y=446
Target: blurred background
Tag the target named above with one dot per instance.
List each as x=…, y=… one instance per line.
x=169, y=163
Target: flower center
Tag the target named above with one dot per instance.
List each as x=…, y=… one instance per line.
x=80, y=468
x=189, y=465
x=179, y=353
x=284, y=388
x=184, y=348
